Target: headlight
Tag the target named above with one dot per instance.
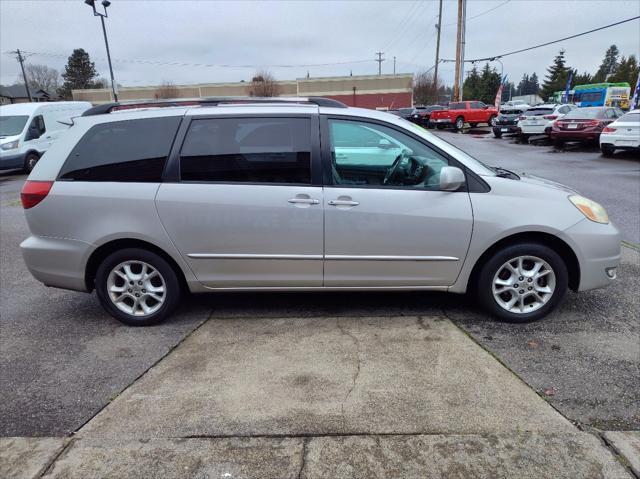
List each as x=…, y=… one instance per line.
x=590, y=209
x=12, y=145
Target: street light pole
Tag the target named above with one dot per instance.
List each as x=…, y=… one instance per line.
x=105, y=4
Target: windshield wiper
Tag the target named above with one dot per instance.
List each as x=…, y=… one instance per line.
x=504, y=173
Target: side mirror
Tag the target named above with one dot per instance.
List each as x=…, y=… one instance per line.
x=384, y=144
x=486, y=107
x=451, y=178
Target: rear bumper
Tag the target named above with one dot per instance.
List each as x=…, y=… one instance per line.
x=575, y=136
x=622, y=142
x=533, y=129
x=57, y=262
x=598, y=249
x=10, y=160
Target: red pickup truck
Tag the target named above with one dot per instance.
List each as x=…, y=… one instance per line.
x=460, y=112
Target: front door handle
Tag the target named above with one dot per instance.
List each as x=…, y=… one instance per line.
x=304, y=201
x=343, y=203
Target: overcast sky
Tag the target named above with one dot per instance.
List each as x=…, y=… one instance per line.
x=269, y=33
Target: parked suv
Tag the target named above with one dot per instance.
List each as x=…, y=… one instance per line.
x=507, y=121
x=298, y=194
x=538, y=119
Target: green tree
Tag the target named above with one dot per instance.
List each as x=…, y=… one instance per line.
x=556, y=77
x=490, y=82
x=608, y=65
x=471, y=86
x=627, y=71
x=534, y=84
x=583, y=78
x=79, y=73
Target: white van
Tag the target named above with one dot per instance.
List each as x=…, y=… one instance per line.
x=28, y=129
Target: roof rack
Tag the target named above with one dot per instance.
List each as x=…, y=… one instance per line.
x=210, y=101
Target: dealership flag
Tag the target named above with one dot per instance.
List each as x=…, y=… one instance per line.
x=636, y=94
x=565, y=97
x=498, y=99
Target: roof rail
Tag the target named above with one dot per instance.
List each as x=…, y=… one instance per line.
x=210, y=101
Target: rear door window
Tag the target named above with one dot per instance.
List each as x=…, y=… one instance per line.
x=130, y=150
x=247, y=150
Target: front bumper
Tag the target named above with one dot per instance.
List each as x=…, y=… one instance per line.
x=598, y=249
x=11, y=159
x=57, y=262
x=506, y=128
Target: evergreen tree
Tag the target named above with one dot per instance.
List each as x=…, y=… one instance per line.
x=627, y=71
x=583, y=78
x=556, y=77
x=79, y=73
x=489, y=83
x=534, y=84
x=523, y=85
x=471, y=86
x=608, y=65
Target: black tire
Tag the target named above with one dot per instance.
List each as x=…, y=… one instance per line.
x=497, y=133
x=172, y=286
x=459, y=124
x=30, y=161
x=484, y=286
x=558, y=143
x=492, y=120
x=440, y=127
x=607, y=150
x=473, y=125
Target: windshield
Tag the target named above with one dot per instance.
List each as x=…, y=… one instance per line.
x=510, y=112
x=538, y=111
x=585, y=113
x=476, y=165
x=12, y=125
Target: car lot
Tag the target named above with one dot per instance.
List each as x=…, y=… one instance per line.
x=63, y=360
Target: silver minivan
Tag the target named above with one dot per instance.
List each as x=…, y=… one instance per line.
x=146, y=202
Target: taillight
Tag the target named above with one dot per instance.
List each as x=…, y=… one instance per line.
x=33, y=192
x=608, y=129
x=550, y=117
x=592, y=123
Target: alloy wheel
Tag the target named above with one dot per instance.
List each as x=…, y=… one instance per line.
x=136, y=288
x=523, y=284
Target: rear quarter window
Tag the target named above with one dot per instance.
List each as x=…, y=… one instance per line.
x=130, y=150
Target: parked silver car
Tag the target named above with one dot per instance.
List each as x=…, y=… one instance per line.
x=297, y=194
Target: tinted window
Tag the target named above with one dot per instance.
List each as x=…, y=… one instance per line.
x=538, y=111
x=248, y=150
x=131, y=150
x=393, y=159
x=585, y=113
x=477, y=105
x=457, y=106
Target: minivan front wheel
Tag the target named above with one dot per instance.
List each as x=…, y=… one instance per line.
x=30, y=162
x=137, y=287
x=522, y=282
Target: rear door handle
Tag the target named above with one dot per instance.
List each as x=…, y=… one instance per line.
x=304, y=201
x=343, y=203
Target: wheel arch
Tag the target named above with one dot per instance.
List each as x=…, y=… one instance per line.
x=104, y=250
x=547, y=239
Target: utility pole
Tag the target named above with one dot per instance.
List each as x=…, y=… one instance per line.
x=463, y=44
x=456, y=81
x=380, y=60
x=394, y=65
x=20, y=59
x=435, y=74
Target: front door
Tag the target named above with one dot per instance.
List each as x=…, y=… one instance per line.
x=245, y=213
x=386, y=222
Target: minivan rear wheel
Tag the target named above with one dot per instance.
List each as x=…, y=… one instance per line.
x=522, y=282
x=137, y=287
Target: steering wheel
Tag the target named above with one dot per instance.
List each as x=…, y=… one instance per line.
x=392, y=170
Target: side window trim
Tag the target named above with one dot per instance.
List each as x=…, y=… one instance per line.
x=325, y=141
x=172, y=168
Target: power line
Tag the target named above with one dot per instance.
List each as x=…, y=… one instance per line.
x=493, y=57
x=479, y=14
x=206, y=65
